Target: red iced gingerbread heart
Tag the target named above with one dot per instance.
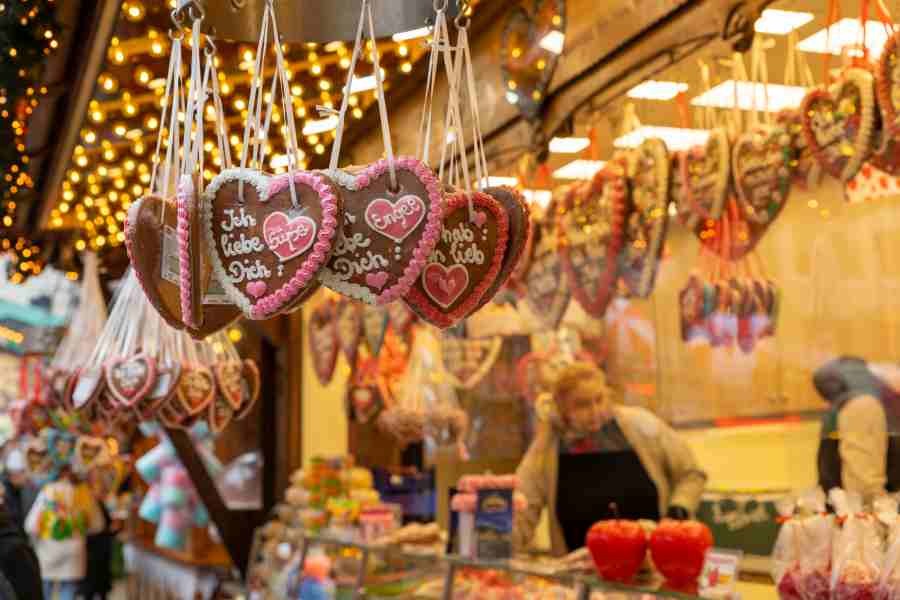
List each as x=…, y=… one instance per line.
x=130, y=378
x=519, y=233
x=196, y=388
x=705, y=173
x=839, y=123
x=589, y=230
x=465, y=262
x=387, y=233
x=266, y=244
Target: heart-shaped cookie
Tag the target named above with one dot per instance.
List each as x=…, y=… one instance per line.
x=250, y=388
x=152, y=241
x=364, y=403
x=89, y=384
x=386, y=235
x=465, y=262
x=172, y=413
x=518, y=233
x=548, y=292
x=323, y=343
x=650, y=171
x=706, y=174
x=806, y=172
x=196, y=388
x=190, y=251
x=264, y=249
x=374, y=326
x=167, y=375
x=90, y=452
x=589, y=231
x=528, y=60
x=229, y=377
x=348, y=321
x=839, y=123
x=130, y=378
x=467, y=360
x=220, y=414
x=761, y=164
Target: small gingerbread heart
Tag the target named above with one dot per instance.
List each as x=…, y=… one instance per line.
x=387, y=234
x=374, y=325
x=348, y=315
x=806, y=172
x=229, y=377
x=196, y=388
x=468, y=360
x=250, y=388
x=323, y=343
x=221, y=412
x=267, y=242
x=90, y=452
x=465, y=262
x=167, y=375
x=89, y=384
x=130, y=378
x=886, y=155
x=548, y=292
x=519, y=233
x=364, y=403
x=839, y=123
x=706, y=174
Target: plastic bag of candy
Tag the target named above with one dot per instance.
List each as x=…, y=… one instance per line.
x=801, y=560
x=858, y=549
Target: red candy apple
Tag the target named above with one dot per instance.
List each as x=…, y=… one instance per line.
x=618, y=548
x=679, y=549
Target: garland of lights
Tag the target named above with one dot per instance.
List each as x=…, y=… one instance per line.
x=28, y=30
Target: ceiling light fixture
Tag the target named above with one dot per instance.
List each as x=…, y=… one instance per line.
x=568, y=145
x=320, y=126
x=676, y=138
x=579, y=169
x=657, y=90
x=540, y=197
x=847, y=32
x=781, y=22
x=411, y=34
x=497, y=181
x=772, y=97
x=362, y=84
x=553, y=42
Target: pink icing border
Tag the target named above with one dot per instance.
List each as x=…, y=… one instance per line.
x=271, y=303
x=141, y=393
x=182, y=228
x=424, y=306
x=433, y=226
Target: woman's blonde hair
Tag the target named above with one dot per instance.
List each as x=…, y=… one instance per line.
x=575, y=375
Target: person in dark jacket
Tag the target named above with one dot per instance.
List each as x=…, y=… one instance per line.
x=18, y=562
x=18, y=492
x=97, y=582
x=856, y=451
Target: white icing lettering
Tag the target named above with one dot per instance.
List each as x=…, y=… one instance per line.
x=237, y=220
x=240, y=246
x=346, y=268
x=241, y=271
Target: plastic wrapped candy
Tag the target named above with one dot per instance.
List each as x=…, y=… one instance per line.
x=801, y=560
x=858, y=551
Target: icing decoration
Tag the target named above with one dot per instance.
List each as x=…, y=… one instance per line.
x=348, y=322
x=589, y=230
x=465, y=262
x=196, y=389
x=706, y=174
x=148, y=218
x=527, y=67
x=88, y=386
x=806, y=171
x=189, y=253
x=265, y=239
x=386, y=237
x=838, y=123
x=761, y=162
x=229, y=376
x=468, y=360
x=518, y=235
x=547, y=291
x=374, y=325
x=129, y=379
x=647, y=222
x=323, y=343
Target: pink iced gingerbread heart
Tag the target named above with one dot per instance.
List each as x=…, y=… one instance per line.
x=267, y=244
x=387, y=233
x=465, y=262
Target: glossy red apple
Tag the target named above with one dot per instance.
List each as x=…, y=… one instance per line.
x=618, y=548
x=679, y=549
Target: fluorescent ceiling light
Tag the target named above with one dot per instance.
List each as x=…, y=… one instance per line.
x=279, y=161
x=540, y=197
x=846, y=32
x=676, y=138
x=657, y=90
x=772, y=97
x=512, y=97
x=411, y=35
x=579, y=169
x=781, y=22
x=553, y=42
x=568, y=145
x=362, y=84
x=320, y=126
x=496, y=181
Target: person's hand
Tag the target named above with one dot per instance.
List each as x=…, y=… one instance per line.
x=678, y=513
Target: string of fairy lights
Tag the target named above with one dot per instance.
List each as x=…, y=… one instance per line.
x=111, y=165
x=28, y=35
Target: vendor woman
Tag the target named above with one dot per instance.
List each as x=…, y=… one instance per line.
x=593, y=459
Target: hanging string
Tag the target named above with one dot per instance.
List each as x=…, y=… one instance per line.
x=424, y=145
x=169, y=106
x=345, y=100
x=254, y=105
x=382, y=103
x=481, y=168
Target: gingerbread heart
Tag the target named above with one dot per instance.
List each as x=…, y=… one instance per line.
x=220, y=414
x=196, y=389
x=173, y=413
x=323, y=343
x=589, y=230
x=806, y=172
x=88, y=386
x=465, y=262
x=548, y=292
x=130, y=378
x=839, y=123
x=678, y=192
x=167, y=375
x=190, y=250
x=90, y=452
x=468, y=360
x=387, y=235
x=761, y=163
x=266, y=249
x=250, y=388
x=151, y=238
x=705, y=175
x=364, y=403
x=886, y=155
x=691, y=303
x=348, y=322
x=519, y=233
x=528, y=65
x=374, y=325
x=229, y=377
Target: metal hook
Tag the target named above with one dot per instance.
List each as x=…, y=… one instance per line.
x=211, y=49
